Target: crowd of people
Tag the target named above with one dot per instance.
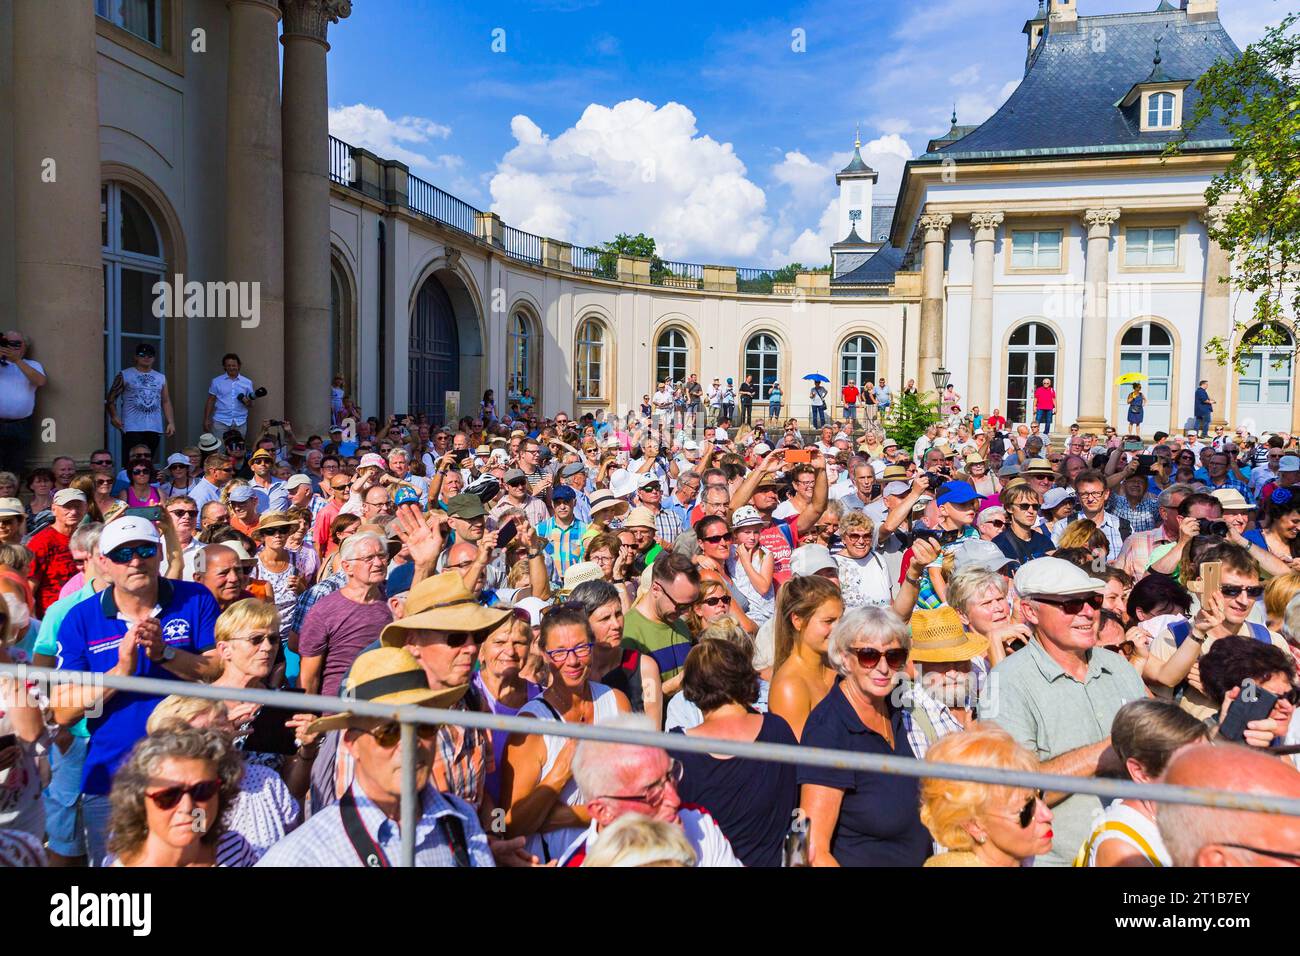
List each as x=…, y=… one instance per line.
x=1093, y=606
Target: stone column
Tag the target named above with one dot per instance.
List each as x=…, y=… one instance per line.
x=59, y=292
x=1094, y=384
x=979, y=375
x=1215, y=318
x=304, y=119
x=255, y=199
x=930, y=340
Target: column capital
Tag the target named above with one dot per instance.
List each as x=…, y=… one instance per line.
x=985, y=224
x=310, y=19
x=1099, y=222
x=1214, y=216
x=935, y=225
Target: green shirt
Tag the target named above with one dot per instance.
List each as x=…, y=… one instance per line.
x=1032, y=698
x=668, y=645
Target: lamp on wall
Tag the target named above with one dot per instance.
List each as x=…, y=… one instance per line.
x=941, y=378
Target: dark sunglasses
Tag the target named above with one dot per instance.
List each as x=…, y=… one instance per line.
x=141, y=471
x=460, y=639
x=869, y=657
x=717, y=538
x=259, y=640
x=126, y=552
x=387, y=735
x=183, y=513
x=199, y=792
x=1026, y=815
x=1254, y=591
x=1073, y=605
x=721, y=600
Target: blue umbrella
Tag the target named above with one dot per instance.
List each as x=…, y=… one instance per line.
x=816, y=377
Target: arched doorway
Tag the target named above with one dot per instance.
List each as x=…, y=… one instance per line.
x=343, y=328
x=1031, y=357
x=134, y=260
x=763, y=361
x=1264, y=386
x=858, y=360
x=671, y=353
x=434, y=353
x=1149, y=350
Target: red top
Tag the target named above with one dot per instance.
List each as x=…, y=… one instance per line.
x=996, y=422
x=850, y=393
x=52, y=566
x=1045, y=399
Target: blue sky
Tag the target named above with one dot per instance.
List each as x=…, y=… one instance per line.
x=703, y=124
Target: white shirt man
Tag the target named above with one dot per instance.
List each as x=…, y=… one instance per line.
x=17, y=390
x=228, y=411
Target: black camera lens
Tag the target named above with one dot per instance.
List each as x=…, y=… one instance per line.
x=259, y=393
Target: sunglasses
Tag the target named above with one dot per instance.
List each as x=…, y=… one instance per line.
x=387, y=735
x=199, y=792
x=1026, y=507
x=997, y=522
x=869, y=657
x=257, y=640
x=126, y=552
x=1254, y=591
x=1075, y=604
x=857, y=536
x=183, y=513
x=717, y=538
x=140, y=471
x=721, y=600
x=680, y=606
x=101, y=461
x=1026, y=814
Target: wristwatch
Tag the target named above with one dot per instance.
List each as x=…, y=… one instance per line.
x=168, y=654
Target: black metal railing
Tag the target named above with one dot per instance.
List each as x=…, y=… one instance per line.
x=757, y=281
x=521, y=245
x=677, y=275
x=428, y=200
x=590, y=261
x=342, y=170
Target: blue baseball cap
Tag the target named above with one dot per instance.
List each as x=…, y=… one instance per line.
x=956, y=493
x=564, y=493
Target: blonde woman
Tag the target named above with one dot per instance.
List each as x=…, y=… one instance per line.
x=806, y=610
x=635, y=840
x=981, y=824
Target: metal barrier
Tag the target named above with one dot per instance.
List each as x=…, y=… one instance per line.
x=409, y=717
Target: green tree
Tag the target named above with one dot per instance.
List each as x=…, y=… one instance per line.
x=1257, y=97
x=909, y=416
x=639, y=245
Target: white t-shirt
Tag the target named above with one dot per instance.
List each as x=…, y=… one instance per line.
x=228, y=408
x=17, y=395
x=1121, y=822
x=663, y=400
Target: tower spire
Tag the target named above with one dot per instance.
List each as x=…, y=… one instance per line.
x=954, y=113
x=857, y=135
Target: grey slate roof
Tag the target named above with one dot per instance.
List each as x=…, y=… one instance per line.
x=881, y=219
x=852, y=239
x=878, y=270
x=1066, y=102
x=856, y=165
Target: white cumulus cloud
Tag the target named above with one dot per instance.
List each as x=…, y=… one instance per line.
x=634, y=167
x=407, y=139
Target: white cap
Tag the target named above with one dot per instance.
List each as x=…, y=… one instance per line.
x=649, y=478
x=1053, y=577
x=178, y=459
x=125, y=530
x=1289, y=463
x=296, y=481
x=67, y=496
x=371, y=460
x=10, y=507
x=747, y=516
x=897, y=488
x=690, y=445
x=762, y=448
x=808, y=559
x=533, y=606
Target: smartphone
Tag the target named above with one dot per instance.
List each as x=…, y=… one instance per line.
x=1017, y=644
x=1133, y=444
x=798, y=456
x=506, y=534
x=152, y=513
x=269, y=734
x=1145, y=463
x=460, y=454
x=8, y=740
x=1211, y=577
x=796, y=846
x=1242, y=711
x=929, y=533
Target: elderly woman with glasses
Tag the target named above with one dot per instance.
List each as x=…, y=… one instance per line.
x=856, y=817
x=991, y=522
x=541, y=799
x=623, y=668
x=169, y=800
x=981, y=824
x=864, y=578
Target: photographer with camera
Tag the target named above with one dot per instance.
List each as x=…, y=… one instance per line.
x=1022, y=540
x=1199, y=514
x=230, y=396
x=20, y=377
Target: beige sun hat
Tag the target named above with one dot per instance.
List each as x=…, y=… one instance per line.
x=442, y=603
x=387, y=675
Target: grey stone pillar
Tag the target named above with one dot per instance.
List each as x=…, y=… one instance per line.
x=979, y=375
x=1093, y=383
x=930, y=340
x=1215, y=316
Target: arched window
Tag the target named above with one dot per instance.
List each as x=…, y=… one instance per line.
x=342, y=328
x=133, y=262
x=858, y=361
x=1264, y=386
x=519, y=372
x=589, y=361
x=670, y=357
x=1148, y=349
x=1160, y=110
x=1031, y=357
x=763, y=361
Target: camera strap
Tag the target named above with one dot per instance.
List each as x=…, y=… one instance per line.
x=370, y=852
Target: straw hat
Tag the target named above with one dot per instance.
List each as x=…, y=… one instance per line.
x=603, y=500
x=639, y=518
x=937, y=635
x=274, y=519
x=581, y=573
x=442, y=603
x=387, y=675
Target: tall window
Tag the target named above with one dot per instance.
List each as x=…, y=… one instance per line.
x=1151, y=247
x=1031, y=357
x=1148, y=350
x=1267, y=376
x=670, y=357
x=133, y=263
x=520, y=370
x=342, y=328
x=589, y=361
x=858, y=361
x=140, y=17
x=1160, y=111
x=1036, y=248
x=762, y=360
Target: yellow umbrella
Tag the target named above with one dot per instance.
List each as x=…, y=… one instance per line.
x=1128, y=378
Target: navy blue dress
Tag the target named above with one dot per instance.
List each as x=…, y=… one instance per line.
x=1135, y=409
x=880, y=817
x=752, y=801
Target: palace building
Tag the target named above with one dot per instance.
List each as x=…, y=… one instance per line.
x=190, y=138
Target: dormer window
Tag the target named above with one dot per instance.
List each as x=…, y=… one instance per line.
x=1160, y=110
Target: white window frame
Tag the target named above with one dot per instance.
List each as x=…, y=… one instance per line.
x=589, y=355
x=761, y=357
x=678, y=355
x=1036, y=251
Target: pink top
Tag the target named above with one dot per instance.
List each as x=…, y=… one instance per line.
x=133, y=502
x=1045, y=399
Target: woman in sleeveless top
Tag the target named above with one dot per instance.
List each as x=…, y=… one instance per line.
x=624, y=669
x=1145, y=736
x=498, y=679
x=275, y=566
x=141, y=493
x=538, y=790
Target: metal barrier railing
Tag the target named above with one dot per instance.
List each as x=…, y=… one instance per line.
x=409, y=717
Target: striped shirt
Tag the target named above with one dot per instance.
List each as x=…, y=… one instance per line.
x=463, y=757
x=563, y=545
x=667, y=526
x=1142, y=516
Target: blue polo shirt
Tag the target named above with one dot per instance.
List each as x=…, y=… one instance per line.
x=89, y=640
x=880, y=817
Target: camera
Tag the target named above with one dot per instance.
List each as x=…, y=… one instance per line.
x=10, y=344
x=275, y=422
x=1215, y=529
x=256, y=393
